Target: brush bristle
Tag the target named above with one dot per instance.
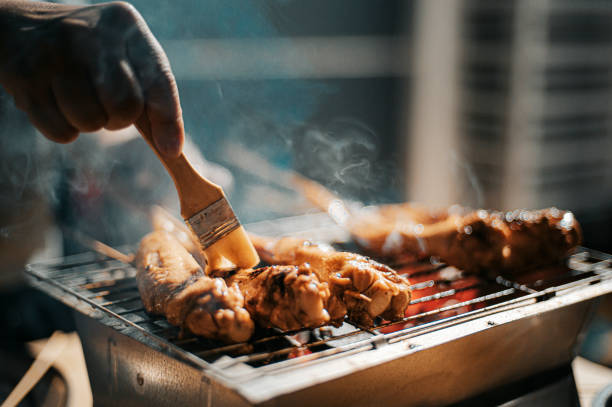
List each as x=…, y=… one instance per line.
x=235, y=248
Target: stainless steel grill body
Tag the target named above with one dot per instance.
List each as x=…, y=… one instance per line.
x=505, y=331
x=431, y=369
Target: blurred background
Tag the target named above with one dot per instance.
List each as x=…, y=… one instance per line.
x=499, y=105
x=488, y=104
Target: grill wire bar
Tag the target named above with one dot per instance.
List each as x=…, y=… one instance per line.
x=442, y=296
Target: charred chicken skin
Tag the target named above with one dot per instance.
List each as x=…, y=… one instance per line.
x=359, y=287
x=473, y=241
x=173, y=284
x=285, y=297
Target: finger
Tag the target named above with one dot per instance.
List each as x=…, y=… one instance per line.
x=118, y=91
x=162, y=106
x=143, y=124
x=165, y=118
x=44, y=113
x=78, y=102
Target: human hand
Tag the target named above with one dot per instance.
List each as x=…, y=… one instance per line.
x=76, y=69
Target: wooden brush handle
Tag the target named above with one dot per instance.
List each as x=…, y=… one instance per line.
x=194, y=191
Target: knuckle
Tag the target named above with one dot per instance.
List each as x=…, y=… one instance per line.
x=162, y=82
x=123, y=11
x=74, y=34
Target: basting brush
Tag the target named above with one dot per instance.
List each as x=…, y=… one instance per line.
x=209, y=215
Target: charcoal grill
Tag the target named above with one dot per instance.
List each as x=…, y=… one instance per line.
x=464, y=335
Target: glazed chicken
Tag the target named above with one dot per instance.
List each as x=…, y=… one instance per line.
x=308, y=287
x=471, y=240
x=285, y=297
x=172, y=283
x=359, y=287
x=161, y=219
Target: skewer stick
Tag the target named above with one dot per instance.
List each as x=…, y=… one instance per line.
x=100, y=247
x=323, y=198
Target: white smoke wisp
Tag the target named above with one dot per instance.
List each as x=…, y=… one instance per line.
x=340, y=156
x=471, y=192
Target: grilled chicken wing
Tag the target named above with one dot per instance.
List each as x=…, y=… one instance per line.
x=171, y=283
x=286, y=297
x=161, y=219
x=470, y=240
x=360, y=287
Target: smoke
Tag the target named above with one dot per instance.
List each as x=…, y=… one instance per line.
x=345, y=174
x=471, y=191
x=344, y=155
x=22, y=171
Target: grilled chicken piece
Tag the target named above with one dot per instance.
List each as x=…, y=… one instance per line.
x=285, y=297
x=161, y=219
x=470, y=240
x=360, y=287
x=171, y=283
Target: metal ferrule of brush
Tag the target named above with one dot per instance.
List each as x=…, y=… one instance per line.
x=213, y=222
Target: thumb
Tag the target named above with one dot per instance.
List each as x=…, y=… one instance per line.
x=166, y=138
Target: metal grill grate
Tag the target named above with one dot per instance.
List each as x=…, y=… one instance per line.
x=106, y=289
